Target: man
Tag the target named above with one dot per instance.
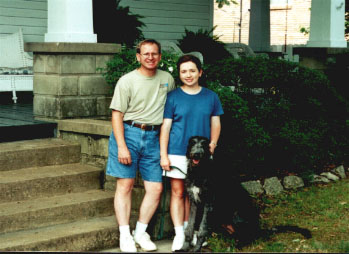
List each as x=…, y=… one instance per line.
x=138, y=105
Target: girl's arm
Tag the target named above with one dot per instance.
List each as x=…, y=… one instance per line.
x=215, y=132
x=164, y=137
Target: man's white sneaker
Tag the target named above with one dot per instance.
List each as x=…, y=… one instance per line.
x=127, y=244
x=145, y=243
x=178, y=242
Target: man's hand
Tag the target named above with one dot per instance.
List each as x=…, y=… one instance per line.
x=124, y=156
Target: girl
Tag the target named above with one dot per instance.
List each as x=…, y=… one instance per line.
x=190, y=110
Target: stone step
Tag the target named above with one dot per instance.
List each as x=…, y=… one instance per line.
x=37, y=152
x=42, y=212
x=27, y=131
x=35, y=182
x=85, y=235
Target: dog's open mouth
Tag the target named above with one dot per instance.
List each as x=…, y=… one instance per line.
x=195, y=161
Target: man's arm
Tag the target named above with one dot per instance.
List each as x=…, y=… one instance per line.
x=164, y=137
x=215, y=132
x=117, y=122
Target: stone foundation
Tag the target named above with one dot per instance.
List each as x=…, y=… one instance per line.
x=67, y=79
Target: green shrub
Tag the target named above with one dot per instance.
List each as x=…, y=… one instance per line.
x=116, y=24
x=206, y=43
x=242, y=140
x=298, y=123
x=299, y=111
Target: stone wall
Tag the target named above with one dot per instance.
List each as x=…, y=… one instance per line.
x=67, y=82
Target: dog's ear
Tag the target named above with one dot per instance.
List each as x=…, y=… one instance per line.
x=190, y=144
x=206, y=141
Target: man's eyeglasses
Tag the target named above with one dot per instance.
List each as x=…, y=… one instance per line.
x=147, y=55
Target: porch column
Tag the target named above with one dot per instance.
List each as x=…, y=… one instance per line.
x=259, y=32
x=327, y=24
x=70, y=21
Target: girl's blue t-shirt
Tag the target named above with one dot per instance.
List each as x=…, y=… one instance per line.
x=191, y=116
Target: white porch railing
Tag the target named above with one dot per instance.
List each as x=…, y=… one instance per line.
x=15, y=65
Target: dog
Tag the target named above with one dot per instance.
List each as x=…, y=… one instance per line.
x=208, y=188
x=218, y=202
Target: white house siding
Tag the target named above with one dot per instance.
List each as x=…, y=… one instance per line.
x=30, y=15
x=167, y=19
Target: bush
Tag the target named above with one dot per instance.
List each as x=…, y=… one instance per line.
x=242, y=140
x=296, y=123
x=206, y=43
x=299, y=116
x=116, y=24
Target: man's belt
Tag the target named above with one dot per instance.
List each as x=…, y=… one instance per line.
x=143, y=126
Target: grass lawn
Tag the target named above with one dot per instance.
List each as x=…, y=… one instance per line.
x=322, y=209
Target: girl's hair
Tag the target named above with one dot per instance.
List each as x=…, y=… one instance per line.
x=189, y=58
x=196, y=61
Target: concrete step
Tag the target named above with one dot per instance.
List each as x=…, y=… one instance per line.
x=85, y=235
x=37, y=152
x=26, y=131
x=35, y=182
x=42, y=212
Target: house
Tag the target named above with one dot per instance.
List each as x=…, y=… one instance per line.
x=287, y=17
x=275, y=25
x=164, y=19
x=55, y=20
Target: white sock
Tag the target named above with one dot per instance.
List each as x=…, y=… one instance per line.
x=185, y=224
x=124, y=230
x=140, y=229
x=179, y=230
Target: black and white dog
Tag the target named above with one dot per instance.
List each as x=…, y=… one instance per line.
x=218, y=202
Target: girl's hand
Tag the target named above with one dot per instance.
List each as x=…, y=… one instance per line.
x=212, y=146
x=165, y=163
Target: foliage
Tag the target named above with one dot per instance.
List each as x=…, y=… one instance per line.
x=242, y=140
x=204, y=42
x=169, y=63
x=304, y=30
x=219, y=243
x=321, y=209
x=292, y=118
x=221, y=3
x=278, y=117
x=117, y=24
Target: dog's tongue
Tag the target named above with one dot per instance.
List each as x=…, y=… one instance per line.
x=196, y=161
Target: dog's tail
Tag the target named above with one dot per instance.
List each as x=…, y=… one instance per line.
x=288, y=228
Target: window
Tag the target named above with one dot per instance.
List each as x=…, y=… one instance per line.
x=280, y=4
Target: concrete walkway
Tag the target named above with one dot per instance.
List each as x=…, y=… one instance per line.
x=164, y=246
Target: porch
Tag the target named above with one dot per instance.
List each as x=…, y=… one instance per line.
x=17, y=121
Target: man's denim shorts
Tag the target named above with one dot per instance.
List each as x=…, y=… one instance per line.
x=145, y=154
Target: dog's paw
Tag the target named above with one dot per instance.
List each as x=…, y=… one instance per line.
x=195, y=238
x=185, y=247
x=197, y=248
